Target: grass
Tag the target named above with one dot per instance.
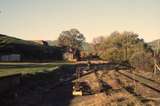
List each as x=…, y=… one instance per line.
x=7, y=69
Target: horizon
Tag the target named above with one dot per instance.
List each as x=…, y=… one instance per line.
x=57, y=38
x=45, y=20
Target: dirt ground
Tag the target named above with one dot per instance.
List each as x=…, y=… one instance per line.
x=108, y=88
x=118, y=90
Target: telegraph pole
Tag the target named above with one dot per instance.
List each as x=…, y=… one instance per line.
x=126, y=49
x=156, y=53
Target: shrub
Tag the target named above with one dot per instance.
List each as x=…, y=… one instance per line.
x=142, y=61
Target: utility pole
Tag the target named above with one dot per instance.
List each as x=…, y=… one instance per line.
x=158, y=49
x=156, y=54
x=126, y=49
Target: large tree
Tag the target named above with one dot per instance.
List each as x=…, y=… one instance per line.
x=123, y=46
x=71, y=39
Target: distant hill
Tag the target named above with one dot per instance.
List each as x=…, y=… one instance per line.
x=7, y=40
x=28, y=49
x=50, y=42
x=86, y=46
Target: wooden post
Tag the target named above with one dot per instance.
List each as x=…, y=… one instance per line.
x=156, y=53
x=155, y=69
x=126, y=50
x=134, y=81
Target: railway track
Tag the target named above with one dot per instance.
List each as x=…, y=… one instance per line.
x=100, y=72
x=146, y=82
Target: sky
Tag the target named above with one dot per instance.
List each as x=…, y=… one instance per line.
x=46, y=19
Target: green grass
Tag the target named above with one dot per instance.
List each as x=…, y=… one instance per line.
x=27, y=69
x=6, y=40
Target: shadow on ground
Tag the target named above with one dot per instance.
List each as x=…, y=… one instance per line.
x=42, y=89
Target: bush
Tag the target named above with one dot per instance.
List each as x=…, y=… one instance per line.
x=142, y=61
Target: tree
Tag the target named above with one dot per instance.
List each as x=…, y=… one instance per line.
x=97, y=41
x=71, y=39
x=142, y=60
x=124, y=46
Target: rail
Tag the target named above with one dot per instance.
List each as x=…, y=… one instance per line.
x=145, y=82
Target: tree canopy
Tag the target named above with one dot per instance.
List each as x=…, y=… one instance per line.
x=121, y=47
x=71, y=38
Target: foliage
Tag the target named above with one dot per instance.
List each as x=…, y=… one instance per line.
x=142, y=60
x=72, y=39
x=155, y=45
x=125, y=46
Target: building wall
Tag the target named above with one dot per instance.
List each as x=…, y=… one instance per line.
x=11, y=57
x=68, y=56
